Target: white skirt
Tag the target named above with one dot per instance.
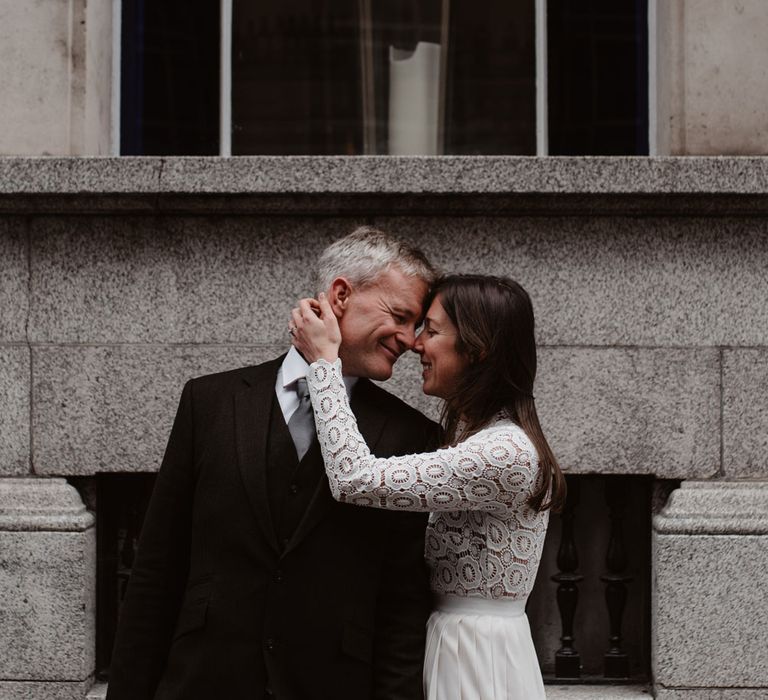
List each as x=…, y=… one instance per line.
x=480, y=649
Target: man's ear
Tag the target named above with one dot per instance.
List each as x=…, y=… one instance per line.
x=338, y=295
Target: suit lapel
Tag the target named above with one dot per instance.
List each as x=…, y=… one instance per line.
x=371, y=421
x=253, y=405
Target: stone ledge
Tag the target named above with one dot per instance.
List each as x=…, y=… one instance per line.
x=29, y=504
x=711, y=693
x=715, y=508
x=554, y=692
x=385, y=174
x=597, y=692
x=45, y=690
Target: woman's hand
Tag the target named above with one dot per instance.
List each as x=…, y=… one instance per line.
x=315, y=330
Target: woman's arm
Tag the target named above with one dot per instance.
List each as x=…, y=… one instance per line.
x=487, y=472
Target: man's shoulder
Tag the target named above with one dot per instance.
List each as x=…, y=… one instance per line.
x=238, y=377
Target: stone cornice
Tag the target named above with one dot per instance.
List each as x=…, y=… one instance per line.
x=450, y=184
x=32, y=504
x=715, y=508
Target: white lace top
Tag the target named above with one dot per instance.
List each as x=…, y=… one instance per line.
x=482, y=538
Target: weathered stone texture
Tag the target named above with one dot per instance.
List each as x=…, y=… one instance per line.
x=14, y=410
x=710, y=693
x=47, y=605
x=601, y=281
x=617, y=280
x=745, y=412
x=111, y=408
x=42, y=690
x=710, y=612
x=409, y=176
x=711, y=77
x=14, y=282
x=617, y=410
x=172, y=280
x=631, y=411
x=597, y=692
x=57, y=82
x=41, y=505
x=609, y=410
x=34, y=120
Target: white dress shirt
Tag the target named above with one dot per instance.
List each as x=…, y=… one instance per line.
x=294, y=367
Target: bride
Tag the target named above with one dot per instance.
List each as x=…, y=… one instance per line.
x=489, y=490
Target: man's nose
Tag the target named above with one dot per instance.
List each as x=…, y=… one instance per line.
x=418, y=344
x=407, y=337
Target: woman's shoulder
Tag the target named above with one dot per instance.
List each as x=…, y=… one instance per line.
x=504, y=429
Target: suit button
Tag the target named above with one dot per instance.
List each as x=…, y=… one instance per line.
x=269, y=692
x=270, y=643
x=294, y=489
x=278, y=575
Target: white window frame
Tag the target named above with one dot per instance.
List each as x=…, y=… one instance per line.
x=225, y=80
x=542, y=122
x=225, y=75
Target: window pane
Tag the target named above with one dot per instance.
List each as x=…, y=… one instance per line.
x=492, y=78
x=598, y=77
x=170, y=78
x=296, y=77
x=383, y=76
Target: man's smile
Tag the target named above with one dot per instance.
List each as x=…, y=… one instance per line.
x=394, y=354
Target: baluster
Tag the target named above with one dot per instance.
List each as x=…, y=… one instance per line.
x=616, y=580
x=567, y=658
x=130, y=527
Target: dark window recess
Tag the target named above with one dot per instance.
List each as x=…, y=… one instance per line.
x=121, y=503
x=598, y=77
x=170, y=78
x=315, y=79
x=593, y=585
x=296, y=78
x=491, y=86
x=590, y=608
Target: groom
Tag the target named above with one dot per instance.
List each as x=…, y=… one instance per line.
x=250, y=580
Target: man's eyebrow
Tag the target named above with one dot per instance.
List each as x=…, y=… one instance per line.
x=403, y=311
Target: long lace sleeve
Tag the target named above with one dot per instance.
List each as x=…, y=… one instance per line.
x=491, y=471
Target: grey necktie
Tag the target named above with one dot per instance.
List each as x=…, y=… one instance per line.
x=302, y=423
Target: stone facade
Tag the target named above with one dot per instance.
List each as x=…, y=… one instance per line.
x=712, y=69
x=57, y=82
x=120, y=278
x=651, y=323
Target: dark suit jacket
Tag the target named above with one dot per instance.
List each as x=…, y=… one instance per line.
x=216, y=608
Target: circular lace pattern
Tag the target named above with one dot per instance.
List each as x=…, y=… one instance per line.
x=483, y=539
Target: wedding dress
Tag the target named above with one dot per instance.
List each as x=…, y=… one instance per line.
x=483, y=541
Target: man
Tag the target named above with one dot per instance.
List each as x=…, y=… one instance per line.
x=250, y=581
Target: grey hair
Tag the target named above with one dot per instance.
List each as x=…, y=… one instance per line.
x=367, y=252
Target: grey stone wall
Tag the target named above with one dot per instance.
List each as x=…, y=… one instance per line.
x=122, y=278
x=652, y=323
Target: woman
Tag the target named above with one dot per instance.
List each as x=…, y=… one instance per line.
x=489, y=490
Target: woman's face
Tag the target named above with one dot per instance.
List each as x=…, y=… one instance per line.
x=441, y=364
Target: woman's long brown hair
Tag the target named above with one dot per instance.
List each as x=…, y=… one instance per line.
x=494, y=320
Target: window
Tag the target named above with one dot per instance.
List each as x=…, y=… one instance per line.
x=354, y=77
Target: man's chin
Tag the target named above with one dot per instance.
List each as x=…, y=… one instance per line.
x=380, y=371
x=380, y=374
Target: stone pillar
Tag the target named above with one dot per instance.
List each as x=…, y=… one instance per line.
x=47, y=591
x=710, y=592
x=57, y=81
x=711, y=77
